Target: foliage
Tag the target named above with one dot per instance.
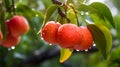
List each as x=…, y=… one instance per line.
x=96, y=16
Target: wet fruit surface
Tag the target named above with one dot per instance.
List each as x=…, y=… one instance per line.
x=87, y=39
x=49, y=32
x=68, y=35
x=18, y=25
x=10, y=41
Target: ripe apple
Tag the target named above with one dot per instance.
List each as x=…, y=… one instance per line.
x=87, y=39
x=10, y=41
x=68, y=35
x=18, y=25
x=49, y=32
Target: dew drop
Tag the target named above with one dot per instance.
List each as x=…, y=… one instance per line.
x=82, y=13
x=90, y=48
x=15, y=6
x=50, y=44
x=77, y=50
x=41, y=38
x=94, y=45
x=13, y=47
x=33, y=9
x=86, y=13
x=36, y=15
x=86, y=50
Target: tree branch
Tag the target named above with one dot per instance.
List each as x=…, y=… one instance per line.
x=56, y=2
x=50, y=54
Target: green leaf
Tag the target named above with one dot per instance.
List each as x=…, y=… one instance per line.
x=49, y=13
x=97, y=20
x=103, y=10
x=102, y=38
x=100, y=10
x=7, y=5
x=83, y=7
x=65, y=54
x=30, y=15
x=115, y=55
x=71, y=15
x=117, y=24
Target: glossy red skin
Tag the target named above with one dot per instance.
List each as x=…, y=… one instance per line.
x=18, y=25
x=10, y=41
x=68, y=35
x=49, y=32
x=87, y=39
x=1, y=36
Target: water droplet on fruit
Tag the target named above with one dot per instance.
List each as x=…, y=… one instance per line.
x=86, y=50
x=13, y=47
x=77, y=50
x=50, y=44
x=94, y=45
x=43, y=33
x=45, y=29
x=90, y=48
x=41, y=38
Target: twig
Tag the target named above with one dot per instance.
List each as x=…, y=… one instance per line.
x=75, y=15
x=56, y=2
x=63, y=15
x=13, y=7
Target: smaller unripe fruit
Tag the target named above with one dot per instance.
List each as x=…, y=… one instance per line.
x=10, y=41
x=18, y=25
x=87, y=39
x=49, y=32
x=68, y=35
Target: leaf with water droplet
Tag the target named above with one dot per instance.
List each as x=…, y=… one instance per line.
x=65, y=54
x=102, y=10
x=102, y=38
x=51, y=9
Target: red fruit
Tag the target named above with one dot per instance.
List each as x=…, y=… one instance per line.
x=87, y=39
x=68, y=35
x=18, y=25
x=10, y=41
x=49, y=32
x=1, y=36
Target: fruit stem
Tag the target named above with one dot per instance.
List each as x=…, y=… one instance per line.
x=75, y=15
x=56, y=2
x=63, y=15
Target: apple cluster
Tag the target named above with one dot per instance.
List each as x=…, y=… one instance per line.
x=16, y=26
x=67, y=35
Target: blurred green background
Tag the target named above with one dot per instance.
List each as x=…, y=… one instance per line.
x=34, y=52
